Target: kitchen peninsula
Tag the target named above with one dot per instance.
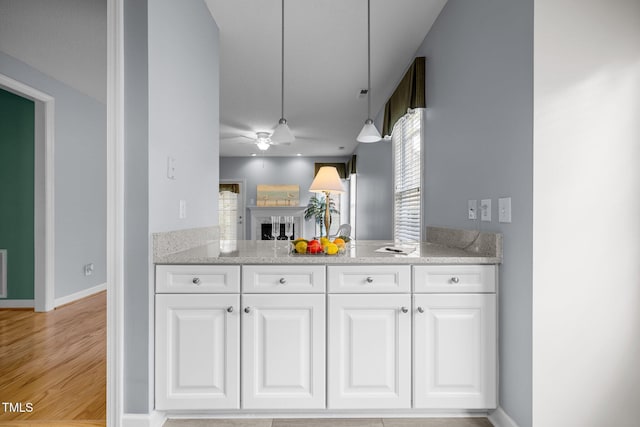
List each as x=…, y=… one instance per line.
x=246, y=327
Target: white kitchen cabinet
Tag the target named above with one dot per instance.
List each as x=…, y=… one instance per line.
x=197, y=279
x=288, y=279
x=454, y=351
x=369, y=351
x=197, y=351
x=283, y=351
x=369, y=278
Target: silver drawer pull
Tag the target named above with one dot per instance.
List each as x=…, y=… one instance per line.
x=455, y=279
x=283, y=280
x=404, y=309
x=247, y=310
x=369, y=279
x=196, y=280
x=230, y=309
x=420, y=310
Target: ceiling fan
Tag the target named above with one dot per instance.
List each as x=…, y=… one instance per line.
x=262, y=140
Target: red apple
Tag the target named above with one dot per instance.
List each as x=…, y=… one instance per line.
x=314, y=247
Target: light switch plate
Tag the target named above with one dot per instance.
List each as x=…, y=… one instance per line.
x=485, y=210
x=472, y=209
x=504, y=209
x=183, y=209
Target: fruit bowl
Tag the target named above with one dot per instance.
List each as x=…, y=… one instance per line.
x=323, y=246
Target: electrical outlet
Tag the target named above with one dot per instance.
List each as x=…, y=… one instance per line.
x=472, y=209
x=504, y=209
x=485, y=210
x=88, y=269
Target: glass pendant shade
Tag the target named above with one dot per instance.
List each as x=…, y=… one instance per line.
x=282, y=133
x=369, y=133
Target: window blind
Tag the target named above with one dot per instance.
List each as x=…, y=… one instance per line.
x=407, y=146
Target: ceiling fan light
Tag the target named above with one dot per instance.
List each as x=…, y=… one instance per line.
x=262, y=145
x=282, y=133
x=369, y=133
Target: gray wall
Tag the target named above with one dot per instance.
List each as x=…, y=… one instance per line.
x=137, y=269
x=479, y=144
x=80, y=178
x=276, y=170
x=183, y=113
x=171, y=109
x=374, y=192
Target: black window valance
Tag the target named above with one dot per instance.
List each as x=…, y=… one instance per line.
x=410, y=93
x=340, y=167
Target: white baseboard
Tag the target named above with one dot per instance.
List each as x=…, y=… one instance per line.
x=154, y=419
x=17, y=303
x=499, y=418
x=79, y=295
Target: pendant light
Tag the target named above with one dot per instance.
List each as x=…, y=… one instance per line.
x=282, y=133
x=369, y=132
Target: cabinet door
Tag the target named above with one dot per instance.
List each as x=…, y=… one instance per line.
x=369, y=351
x=455, y=351
x=197, y=351
x=283, y=351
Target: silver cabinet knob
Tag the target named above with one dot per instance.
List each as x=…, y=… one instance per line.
x=369, y=279
x=455, y=279
x=230, y=309
x=404, y=309
x=247, y=310
x=283, y=280
x=196, y=281
x=420, y=310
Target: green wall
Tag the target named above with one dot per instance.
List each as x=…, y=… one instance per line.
x=16, y=192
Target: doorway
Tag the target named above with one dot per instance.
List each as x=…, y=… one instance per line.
x=231, y=209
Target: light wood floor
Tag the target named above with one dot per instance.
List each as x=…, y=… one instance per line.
x=57, y=362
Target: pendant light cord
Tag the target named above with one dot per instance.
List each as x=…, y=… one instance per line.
x=282, y=67
x=368, y=58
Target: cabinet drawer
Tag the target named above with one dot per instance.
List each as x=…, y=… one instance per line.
x=454, y=278
x=198, y=279
x=283, y=279
x=369, y=278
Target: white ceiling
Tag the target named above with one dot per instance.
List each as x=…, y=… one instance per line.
x=325, y=67
x=65, y=39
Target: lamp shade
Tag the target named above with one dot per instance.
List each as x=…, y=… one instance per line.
x=369, y=133
x=282, y=133
x=327, y=179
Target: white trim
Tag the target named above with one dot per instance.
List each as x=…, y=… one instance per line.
x=44, y=268
x=16, y=303
x=3, y=277
x=499, y=418
x=80, y=294
x=115, y=212
x=155, y=419
x=328, y=414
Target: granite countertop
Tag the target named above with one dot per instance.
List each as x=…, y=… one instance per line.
x=358, y=252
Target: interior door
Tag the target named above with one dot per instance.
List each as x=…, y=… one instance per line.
x=231, y=209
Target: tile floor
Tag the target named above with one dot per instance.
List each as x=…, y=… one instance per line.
x=352, y=422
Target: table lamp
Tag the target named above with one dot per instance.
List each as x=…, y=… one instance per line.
x=327, y=181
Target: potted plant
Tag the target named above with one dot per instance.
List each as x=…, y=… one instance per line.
x=316, y=209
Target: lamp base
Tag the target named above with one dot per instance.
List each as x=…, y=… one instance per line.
x=327, y=213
